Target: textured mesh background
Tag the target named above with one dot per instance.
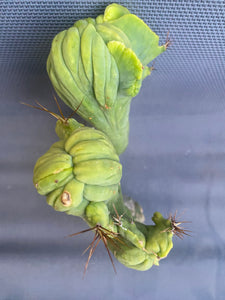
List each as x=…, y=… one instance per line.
x=193, y=68
x=175, y=158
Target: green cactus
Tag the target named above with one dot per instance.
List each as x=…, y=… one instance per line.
x=102, y=62
x=96, y=67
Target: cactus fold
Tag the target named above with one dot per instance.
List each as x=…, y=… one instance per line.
x=78, y=169
x=102, y=62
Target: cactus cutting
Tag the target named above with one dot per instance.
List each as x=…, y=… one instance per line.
x=102, y=62
x=96, y=67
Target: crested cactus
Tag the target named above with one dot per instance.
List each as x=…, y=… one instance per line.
x=102, y=62
x=97, y=67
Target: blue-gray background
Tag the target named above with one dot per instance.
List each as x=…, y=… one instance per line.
x=175, y=159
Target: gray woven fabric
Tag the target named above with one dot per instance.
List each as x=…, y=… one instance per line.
x=194, y=67
x=175, y=159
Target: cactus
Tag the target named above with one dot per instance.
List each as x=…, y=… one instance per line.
x=96, y=67
x=102, y=62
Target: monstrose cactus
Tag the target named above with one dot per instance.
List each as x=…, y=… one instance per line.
x=97, y=67
x=101, y=62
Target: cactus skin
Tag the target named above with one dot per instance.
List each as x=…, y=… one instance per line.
x=102, y=62
x=80, y=175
